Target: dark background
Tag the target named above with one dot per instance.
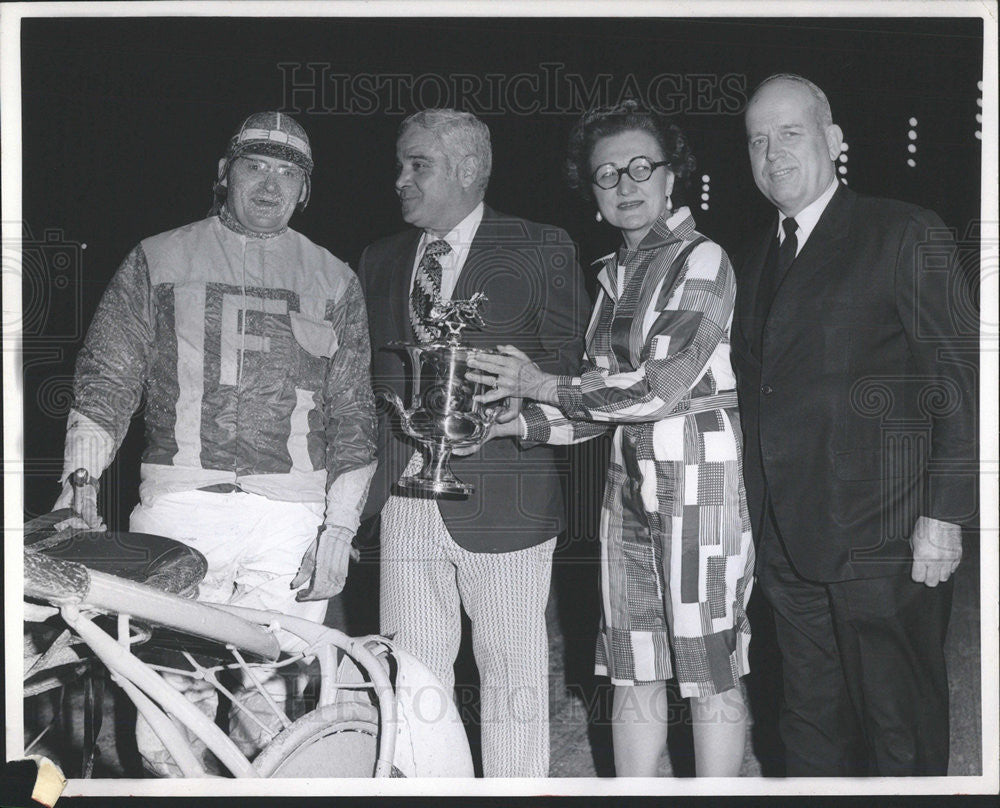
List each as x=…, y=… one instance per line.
x=125, y=119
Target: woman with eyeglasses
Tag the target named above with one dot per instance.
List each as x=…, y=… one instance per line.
x=676, y=551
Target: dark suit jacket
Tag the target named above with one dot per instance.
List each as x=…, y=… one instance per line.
x=858, y=414
x=529, y=273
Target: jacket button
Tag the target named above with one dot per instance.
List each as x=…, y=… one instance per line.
x=766, y=389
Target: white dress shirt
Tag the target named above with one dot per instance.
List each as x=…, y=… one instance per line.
x=807, y=217
x=460, y=239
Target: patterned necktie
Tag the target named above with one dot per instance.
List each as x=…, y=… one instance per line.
x=778, y=261
x=427, y=290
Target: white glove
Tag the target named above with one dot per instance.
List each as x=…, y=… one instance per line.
x=324, y=565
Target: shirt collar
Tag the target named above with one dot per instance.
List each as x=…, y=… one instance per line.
x=459, y=237
x=808, y=217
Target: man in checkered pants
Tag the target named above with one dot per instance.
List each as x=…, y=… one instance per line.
x=490, y=553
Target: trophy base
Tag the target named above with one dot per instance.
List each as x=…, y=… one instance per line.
x=432, y=486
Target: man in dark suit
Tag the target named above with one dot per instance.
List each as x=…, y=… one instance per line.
x=859, y=424
x=491, y=552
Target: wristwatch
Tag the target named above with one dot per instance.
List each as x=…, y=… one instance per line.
x=81, y=477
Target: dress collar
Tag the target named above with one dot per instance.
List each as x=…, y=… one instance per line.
x=670, y=227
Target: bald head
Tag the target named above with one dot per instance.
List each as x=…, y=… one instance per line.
x=792, y=142
x=821, y=105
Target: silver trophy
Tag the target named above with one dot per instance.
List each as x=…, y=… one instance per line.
x=443, y=415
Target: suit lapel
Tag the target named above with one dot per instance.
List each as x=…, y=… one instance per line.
x=749, y=282
x=401, y=269
x=484, y=239
x=821, y=247
x=819, y=250
x=756, y=262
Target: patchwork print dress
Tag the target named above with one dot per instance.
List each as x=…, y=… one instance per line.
x=676, y=550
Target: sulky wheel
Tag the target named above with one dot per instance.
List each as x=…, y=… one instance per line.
x=339, y=740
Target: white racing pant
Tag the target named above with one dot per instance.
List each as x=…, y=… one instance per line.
x=253, y=546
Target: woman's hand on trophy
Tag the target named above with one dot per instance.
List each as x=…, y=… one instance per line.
x=511, y=373
x=506, y=429
x=498, y=429
x=508, y=410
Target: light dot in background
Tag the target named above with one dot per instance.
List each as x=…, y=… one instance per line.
x=704, y=178
x=704, y=197
x=979, y=102
x=912, y=135
x=979, y=135
x=979, y=85
x=979, y=117
x=844, y=147
x=842, y=157
x=911, y=148
x=911, y=163
x=704, y=205
x=913, y=121
x=704, y=186
x=844, y=180
x=842, y=169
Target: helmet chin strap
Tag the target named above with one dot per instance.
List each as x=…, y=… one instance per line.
x=301, y=205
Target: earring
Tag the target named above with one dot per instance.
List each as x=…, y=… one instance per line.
x=670, y=204
x=598, y=217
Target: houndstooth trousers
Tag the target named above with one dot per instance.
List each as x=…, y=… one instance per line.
x=426, y=578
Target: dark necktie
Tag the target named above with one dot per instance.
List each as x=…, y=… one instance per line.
x=779, y=259
x=427, y=290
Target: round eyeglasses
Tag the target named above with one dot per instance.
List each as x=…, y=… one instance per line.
x=640, y=169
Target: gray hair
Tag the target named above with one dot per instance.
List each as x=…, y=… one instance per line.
x=824, y=115
x=460, y=134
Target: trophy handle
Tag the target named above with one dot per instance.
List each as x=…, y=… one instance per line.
x=404, y=414
x=488, y=418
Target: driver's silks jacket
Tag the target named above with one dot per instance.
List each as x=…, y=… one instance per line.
x=254, y=358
